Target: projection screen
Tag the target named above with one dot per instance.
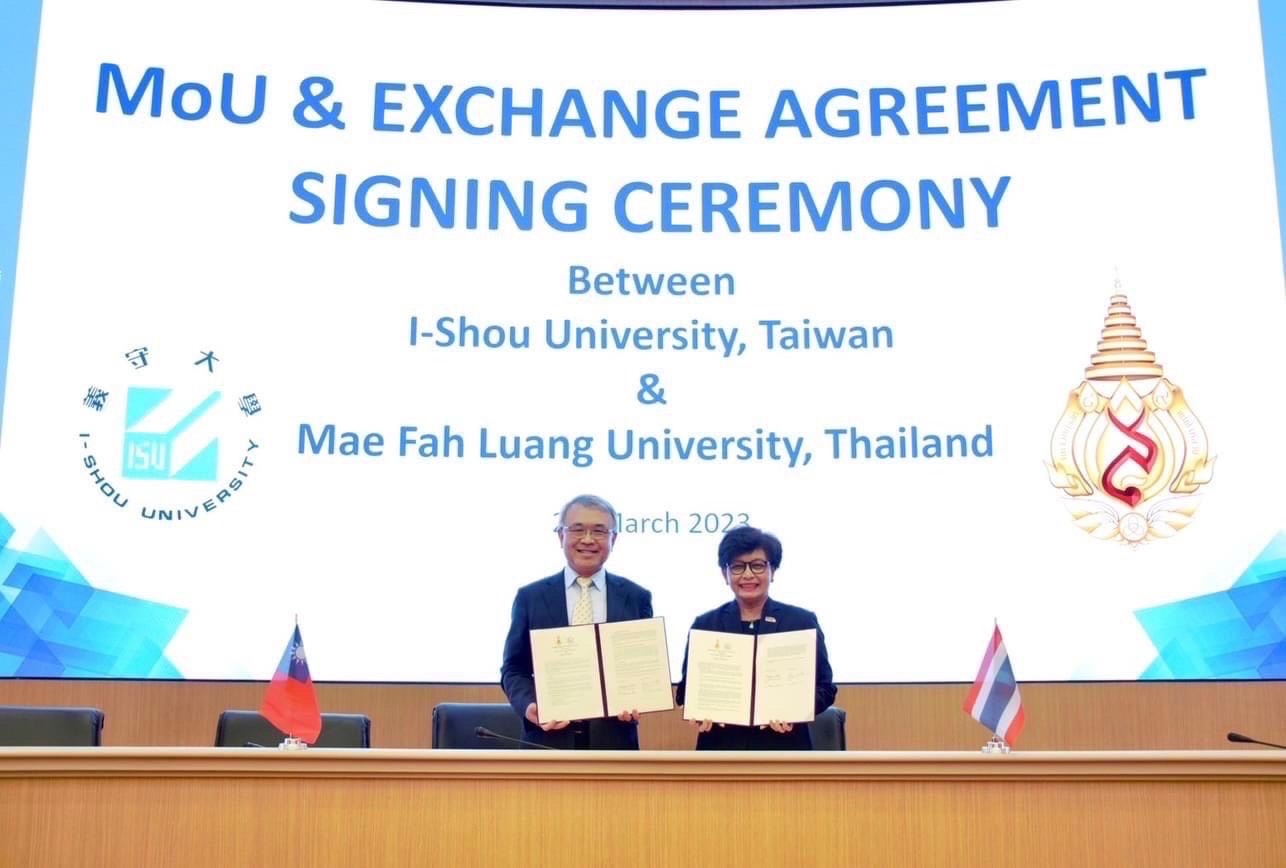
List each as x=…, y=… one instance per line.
x=322, y=310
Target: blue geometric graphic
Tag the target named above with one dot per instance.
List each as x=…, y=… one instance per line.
x=19, y=29
x=54, y=624
x=1237, y=633
x=148, y=453
x=1272, y=24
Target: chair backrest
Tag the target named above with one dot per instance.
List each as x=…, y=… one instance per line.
x=454, y=724
x=31, y=726
x=827, y=730
x=249, y=728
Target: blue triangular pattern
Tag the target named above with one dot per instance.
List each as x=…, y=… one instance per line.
x=1274, y=665
x=137, y=655
x=1241, y=659
x=204, y=465
x=1237, y=633
x=8, y=562
x=29, y=668
x=1164, y=624
x=34, y=610
x=29, y=564
x=1222, y=637
x=42, y=545
x=163, y=668
x=1278, y=619
x=62, y=594
x=83, y=661
x=116, y=609
x=1179, y=657
x=1269, y=563
x=1255, y=601
x=16, y=635
x=41, y=652
x=1269, y=572
x=54, y=623
x=140, y=401
x=18, y=575
x=1157, y=670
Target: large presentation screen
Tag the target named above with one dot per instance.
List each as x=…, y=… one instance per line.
x=322, y=310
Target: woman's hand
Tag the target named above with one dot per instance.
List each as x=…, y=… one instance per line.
x=534, y=716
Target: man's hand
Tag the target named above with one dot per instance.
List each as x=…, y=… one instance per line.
x=703, y=725
x=627, y=716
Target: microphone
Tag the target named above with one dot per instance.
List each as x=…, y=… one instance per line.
x=1245, y=739
x=483, y=732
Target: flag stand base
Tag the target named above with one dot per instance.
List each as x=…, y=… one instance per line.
x=995, y=744
x=293, y=744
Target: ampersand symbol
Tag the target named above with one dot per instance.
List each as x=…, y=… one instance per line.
x=312, y=112
x=650, y=394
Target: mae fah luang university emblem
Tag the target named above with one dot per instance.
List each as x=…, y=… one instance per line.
x=1129, y=453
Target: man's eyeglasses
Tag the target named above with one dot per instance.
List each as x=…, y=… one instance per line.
x=579, y=531
x=738, y=568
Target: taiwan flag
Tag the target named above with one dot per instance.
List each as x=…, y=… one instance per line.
x=994, y=700
x=290, y=704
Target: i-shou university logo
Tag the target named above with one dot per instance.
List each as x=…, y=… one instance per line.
x=1129, y=453
x=164, y=438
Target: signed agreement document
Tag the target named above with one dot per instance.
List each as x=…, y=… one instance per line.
x=569, y=685
x=636, y=666
x=751, y=679
x=720, y=673
x=601, y=670
x=785, y=676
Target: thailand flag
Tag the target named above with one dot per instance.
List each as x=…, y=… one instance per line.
x=290, y=703
x=994, y=700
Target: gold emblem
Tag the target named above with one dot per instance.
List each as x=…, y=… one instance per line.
x=1128, y=452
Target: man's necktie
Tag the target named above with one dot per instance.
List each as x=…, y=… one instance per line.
x=583, y=613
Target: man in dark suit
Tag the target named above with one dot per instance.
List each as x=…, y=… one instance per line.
x=582, y=592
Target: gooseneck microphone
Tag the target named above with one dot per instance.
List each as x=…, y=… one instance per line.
x=1245, y=739
x=483, y=732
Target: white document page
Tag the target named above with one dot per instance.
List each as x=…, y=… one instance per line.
x=719, y=677
x=636, y=665
x=568, y=682
x=785, y=676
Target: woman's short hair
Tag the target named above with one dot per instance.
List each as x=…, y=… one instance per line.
x=745, y=539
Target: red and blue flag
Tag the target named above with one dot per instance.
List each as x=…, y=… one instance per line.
x=994, y=700
x=290, y=703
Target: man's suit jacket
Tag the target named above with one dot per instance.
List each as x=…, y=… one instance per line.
x=777, y=618
x=543, y=604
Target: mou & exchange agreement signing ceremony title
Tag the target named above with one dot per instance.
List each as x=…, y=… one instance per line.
x=772, y=204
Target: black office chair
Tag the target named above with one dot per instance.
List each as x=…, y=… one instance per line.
x=827, y=730
x=250, y=728
x=455, y=725
x=37, y=726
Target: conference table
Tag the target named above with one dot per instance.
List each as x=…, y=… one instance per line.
x=271, y=807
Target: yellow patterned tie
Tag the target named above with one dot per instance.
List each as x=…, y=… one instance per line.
x=583, y=613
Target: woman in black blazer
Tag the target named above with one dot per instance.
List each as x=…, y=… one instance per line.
x=748, y=559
